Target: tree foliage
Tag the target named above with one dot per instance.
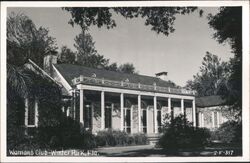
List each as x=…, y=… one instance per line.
x=179, y=134
x=161, y=19
x=66, y=55
x=228, y=26
x=212, y=77
x=127, y=68
x=25, y=41
x=86, y=53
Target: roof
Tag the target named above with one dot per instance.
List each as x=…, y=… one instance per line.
x=209, y=101
x=69, y=72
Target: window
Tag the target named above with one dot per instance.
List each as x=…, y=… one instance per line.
x=88, y=116
x=31, y=112
x=216, y=119
x=108, y=115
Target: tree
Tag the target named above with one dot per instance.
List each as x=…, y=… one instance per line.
x=127, y=68
x=212, y=77
x=86, y=53
x=228, y=26
x=25, y=41
x=66, y=55
x=112, y=67
x=161, y=19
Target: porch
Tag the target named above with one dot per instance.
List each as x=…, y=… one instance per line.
x=135, y=108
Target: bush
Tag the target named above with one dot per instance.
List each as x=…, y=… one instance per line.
x=180, y=134
x=119, y=138
x=67, y=134
x=229, y=132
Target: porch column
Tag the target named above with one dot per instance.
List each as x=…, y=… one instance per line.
x=213, y=122
x=81, y=107
x=218, y=119
x=194, y=114
x=36, y=113
x=74, y=104
x=26, y=103
x=155, y=115
x=202, y=120
x=139, y=112
x=102, y=110
x=169, y=106
x=122, y=109
x=182, y=106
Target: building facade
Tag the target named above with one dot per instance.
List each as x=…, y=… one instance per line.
x=212, y=111
x=101, y=100
x=132, y=103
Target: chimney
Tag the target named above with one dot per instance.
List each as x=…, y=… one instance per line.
x=162, y=75
x=48, y=61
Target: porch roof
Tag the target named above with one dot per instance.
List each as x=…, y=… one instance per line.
x=69, y=72
x=209, y=101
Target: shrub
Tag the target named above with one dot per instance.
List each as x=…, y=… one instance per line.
x=67, y=134
x=180, y=134
x=229, y=132
x=119, y=138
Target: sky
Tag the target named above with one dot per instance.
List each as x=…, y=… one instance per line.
x=180, y=54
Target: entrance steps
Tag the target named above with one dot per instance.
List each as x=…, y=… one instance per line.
x=153, y=138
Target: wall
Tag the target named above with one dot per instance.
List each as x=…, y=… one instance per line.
x=224, y=115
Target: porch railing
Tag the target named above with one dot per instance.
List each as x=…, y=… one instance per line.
x=124, y=84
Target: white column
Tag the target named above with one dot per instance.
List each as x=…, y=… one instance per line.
x=81, y=107
x=122, y=109
x=213, y=122
x=131, y=120
x=182, y=106
x=218, y=119
x=102, y=110
x=155, y=115
x=26, y=101
x=194, y=114
x=139, y=113
x=202, y=120
x=169, y=106
x=67, y=113
x=74, y=104
x=36, y=113
x=199, y=114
